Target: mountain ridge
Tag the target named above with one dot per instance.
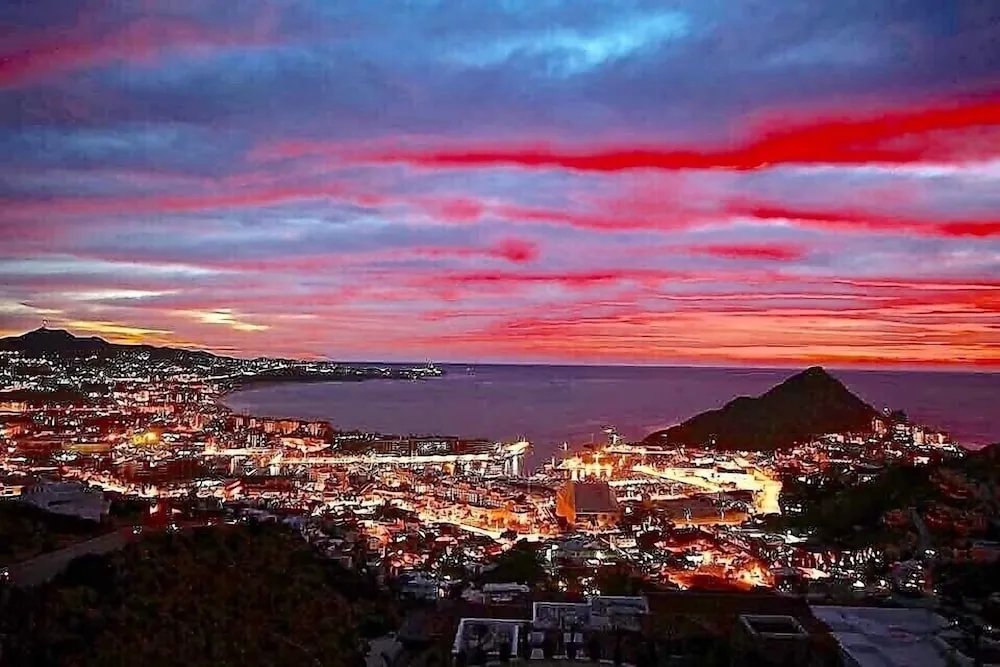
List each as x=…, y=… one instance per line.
x=63, y=343
x=805, y=405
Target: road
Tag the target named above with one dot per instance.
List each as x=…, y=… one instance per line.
x=42, y=568
x=45, y=566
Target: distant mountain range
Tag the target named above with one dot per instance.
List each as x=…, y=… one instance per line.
x=61, y=343
x=806, y=405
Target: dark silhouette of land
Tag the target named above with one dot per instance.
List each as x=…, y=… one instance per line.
x=806, y=405
x=45, y=342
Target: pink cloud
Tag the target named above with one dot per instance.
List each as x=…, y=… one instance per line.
x=36, y=56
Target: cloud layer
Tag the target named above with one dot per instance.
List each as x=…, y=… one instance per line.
x=774, y=183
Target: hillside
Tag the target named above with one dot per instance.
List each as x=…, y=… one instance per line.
x=247, y=595
x=45, y=342
x=805, y=405
x=27, y=531
x=956, y=499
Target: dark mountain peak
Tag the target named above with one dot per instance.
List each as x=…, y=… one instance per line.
x=45, y=333
x=803, y=406
x=62, y=343
x=55, y=341
x=814, y=379
x=811, y=374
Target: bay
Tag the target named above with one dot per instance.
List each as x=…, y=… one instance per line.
x=552, y=404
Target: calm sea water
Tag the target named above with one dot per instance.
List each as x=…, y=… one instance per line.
x=553, y=404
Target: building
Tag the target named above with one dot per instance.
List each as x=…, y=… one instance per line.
x=66, y=498
x=418, y=587
x=11, y=486
x=607, y=628
x=579, y=550
x=688, y=627
x=590, y=504
x=13, y=407
x=771, y=640
x=889, y=637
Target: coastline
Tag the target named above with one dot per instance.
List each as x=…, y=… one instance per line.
x=492, y=405
x=267, y=383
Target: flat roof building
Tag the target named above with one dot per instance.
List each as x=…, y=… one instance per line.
x=588, y=503
x=642, y=631
x=890, y=637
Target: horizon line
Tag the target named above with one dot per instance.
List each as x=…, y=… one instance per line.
x=902, y=367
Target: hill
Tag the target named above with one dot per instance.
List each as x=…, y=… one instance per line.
x=240, y=595
x=955, y=498
x=27, y=531
x=808, y=404
x=59, y=343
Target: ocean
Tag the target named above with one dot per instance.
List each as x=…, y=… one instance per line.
x=550, y=405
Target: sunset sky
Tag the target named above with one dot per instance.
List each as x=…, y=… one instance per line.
x=754, y=182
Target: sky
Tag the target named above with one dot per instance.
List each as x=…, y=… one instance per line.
x=759, y=182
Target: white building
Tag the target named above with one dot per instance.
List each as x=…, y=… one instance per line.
x=67, y=498
x=887, y=637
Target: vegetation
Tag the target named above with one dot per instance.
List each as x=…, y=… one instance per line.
x=804, y=406
x=521, y=564
x=851, y=513
x=618, y=581
x=27, y=531
x=968, y=580
x=247, y=595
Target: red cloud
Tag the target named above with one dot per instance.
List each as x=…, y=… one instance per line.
x=575, y=280
x=895, y=137
x=902, y=328
x=860, y=221
x=512, y=250
x=452, y=209
x=516, y=250
x=770, y=251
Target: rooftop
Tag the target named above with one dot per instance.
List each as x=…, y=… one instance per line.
x=883, y=637
x=773, y=626
x=594, y=498
x=557, y=628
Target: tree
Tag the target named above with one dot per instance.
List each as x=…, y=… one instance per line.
x=253, y=595
x=521, y=564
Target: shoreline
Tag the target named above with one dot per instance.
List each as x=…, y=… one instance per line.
x=255, y=382
x=220, y=399
x=286, y=408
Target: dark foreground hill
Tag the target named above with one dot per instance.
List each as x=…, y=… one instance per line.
x=805, y=405
x=228, y=595
x=953, y=496
x=45, y=342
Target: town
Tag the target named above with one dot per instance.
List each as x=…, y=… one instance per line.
x=440, y=517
